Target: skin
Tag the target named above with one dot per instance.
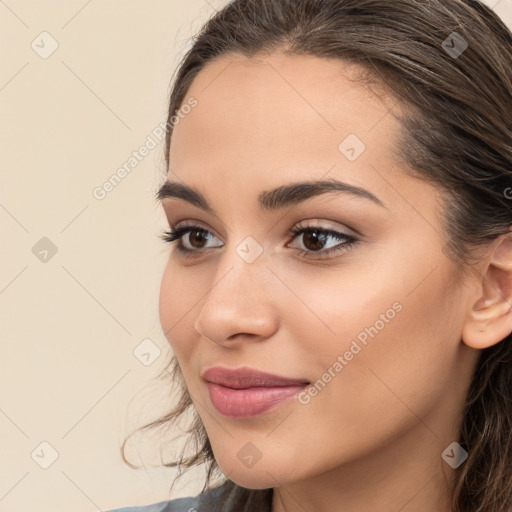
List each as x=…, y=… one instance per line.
x=372, y=438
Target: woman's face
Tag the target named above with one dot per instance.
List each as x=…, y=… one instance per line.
x=374, y=326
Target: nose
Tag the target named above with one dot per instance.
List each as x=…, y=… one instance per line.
x=240, y=305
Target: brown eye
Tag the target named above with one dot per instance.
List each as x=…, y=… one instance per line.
x=314, y=240
x=191, y=239
x=197, y=237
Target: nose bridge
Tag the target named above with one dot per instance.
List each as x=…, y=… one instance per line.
x=241, y=270
x=239, y=298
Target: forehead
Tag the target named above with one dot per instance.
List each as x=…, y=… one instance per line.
x=280, y=99
x=263, y=121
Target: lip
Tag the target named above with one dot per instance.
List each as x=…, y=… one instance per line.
x=245, y=377
x=245, y=392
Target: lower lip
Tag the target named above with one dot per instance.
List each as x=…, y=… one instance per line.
x=243, y=403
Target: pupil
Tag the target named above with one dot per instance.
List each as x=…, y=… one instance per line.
x=197, y=235
x=316, y=239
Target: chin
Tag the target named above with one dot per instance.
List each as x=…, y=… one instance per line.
x=265, y=473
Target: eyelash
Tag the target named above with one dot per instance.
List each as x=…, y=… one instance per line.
x=177, y=233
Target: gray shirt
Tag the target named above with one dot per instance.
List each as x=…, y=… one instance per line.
x=227, y=497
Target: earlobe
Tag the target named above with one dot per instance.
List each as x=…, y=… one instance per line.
x=489, y=319
x=488, y=326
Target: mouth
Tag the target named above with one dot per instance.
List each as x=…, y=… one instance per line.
x=245, y=377
x=245, y=392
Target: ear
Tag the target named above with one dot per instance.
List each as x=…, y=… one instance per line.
x=489, y=319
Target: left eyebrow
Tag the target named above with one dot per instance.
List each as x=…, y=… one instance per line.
x=274, y=199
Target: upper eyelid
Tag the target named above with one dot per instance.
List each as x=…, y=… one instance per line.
x=353, y=231
x=192, y=224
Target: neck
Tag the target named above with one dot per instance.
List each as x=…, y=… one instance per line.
x=407, y=474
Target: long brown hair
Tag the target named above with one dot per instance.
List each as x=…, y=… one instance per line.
x=449, y=64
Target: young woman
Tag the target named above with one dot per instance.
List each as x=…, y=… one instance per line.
x=338, y=292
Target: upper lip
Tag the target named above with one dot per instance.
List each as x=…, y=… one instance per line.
x=245, y=377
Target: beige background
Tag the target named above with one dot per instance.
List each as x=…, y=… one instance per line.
x=71, y=323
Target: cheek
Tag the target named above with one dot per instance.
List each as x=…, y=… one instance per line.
x=397, y=351
x=399, y=372
x=179, y=294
